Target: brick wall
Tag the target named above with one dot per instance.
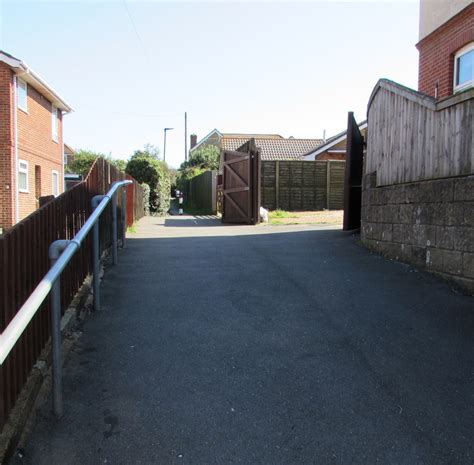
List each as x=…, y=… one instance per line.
x=429, y=224
x=436, y=62
x=37, y=147
x=7, y=186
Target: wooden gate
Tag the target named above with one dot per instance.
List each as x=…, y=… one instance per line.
x=241, y=185
x=353, y=175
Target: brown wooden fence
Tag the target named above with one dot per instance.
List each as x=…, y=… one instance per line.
x=302, y=185
x=413, y=137
x=24, y=262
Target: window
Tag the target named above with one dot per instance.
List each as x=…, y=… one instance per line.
x=22, y=94
x=55, y=183
x=464, y=68
x=23, y=176
x=54, y=122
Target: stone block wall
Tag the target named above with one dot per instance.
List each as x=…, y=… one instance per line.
x=429, y=224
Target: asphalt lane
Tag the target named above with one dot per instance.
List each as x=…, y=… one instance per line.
x=264, y=345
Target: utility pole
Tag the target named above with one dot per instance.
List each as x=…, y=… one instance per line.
x=185, y=136
x=164, y=145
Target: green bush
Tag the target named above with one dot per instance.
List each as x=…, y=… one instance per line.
x=147, y=169
x=83, y=160
x=146, y=198
x=203, y=159
x=206, y=157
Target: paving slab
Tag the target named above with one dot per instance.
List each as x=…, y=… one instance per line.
x=264, y=345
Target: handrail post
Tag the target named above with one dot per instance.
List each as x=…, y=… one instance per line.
x=55, y=250
x=114, y=229
x=96, y=256
x=124, y=216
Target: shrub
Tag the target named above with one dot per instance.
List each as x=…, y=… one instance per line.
x=149, y=170
x=146, y=198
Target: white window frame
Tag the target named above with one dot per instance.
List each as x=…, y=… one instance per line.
x=467, y=48
x=55, y=173
x=54, y=123
x=24, y=171
x=19, y=83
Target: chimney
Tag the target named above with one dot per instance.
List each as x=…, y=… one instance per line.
x=193, y=138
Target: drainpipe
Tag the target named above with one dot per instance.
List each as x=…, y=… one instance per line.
x=15, y=139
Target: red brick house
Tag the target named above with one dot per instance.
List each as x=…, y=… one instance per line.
x=31, y=140
x=333, y=148
x=446, y=47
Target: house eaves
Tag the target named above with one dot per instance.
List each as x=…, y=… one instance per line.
x=331, y=143
x=204, y=139
x=22, y=70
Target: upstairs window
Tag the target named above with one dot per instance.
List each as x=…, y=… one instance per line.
x=464, y=68
x=22, y=176
x=54, y=122
x=22, y=94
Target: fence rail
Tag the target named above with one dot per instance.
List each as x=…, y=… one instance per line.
x=24, y=262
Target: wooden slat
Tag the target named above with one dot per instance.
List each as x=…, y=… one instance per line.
x=411, y=138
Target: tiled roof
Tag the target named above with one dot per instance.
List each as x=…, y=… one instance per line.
x=276, y=148
x=250, y=136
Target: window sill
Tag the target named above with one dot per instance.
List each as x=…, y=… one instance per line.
x=458, y=89
x=23, y=191
x=24, y=110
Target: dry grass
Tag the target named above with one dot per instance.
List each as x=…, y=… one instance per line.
x=309, y=217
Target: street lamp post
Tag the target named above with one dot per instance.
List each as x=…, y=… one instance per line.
x=164, y=145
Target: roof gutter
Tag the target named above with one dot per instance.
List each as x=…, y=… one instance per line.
x=22, y=70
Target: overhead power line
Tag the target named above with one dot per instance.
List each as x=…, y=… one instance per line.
x=134, y=26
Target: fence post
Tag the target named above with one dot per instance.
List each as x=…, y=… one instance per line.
x=114, y=229
x=328, y=183
x=55, y=250
x=277, y=185
x=96, y=256
x=124, y=216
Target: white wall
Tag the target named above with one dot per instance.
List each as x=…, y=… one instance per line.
x=434, y=13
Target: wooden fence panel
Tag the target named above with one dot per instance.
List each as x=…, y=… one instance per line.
x=302, y=185
x=412, y=137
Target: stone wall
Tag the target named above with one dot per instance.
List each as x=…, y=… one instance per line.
x=429, y=224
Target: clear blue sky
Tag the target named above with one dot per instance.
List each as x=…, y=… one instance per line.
x=131, y=69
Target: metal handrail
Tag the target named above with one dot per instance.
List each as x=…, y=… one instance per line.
x=60, y=253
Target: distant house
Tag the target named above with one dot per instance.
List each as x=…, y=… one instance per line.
x=69, y=153
x=334, y=148
x=272, y=146
x=446, y=47
x=31, y=140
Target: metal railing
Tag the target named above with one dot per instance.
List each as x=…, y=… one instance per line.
x=60, y=253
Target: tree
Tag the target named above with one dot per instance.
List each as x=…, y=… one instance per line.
x=206, y=157
x=118, y=163
x=147, y=168
x=148, y=150
x=82, y=162
x=203, y=159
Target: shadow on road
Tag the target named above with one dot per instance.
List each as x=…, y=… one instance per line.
x=266, y=348
x=191, y=221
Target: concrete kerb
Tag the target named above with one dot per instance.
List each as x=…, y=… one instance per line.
x=37, y=389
